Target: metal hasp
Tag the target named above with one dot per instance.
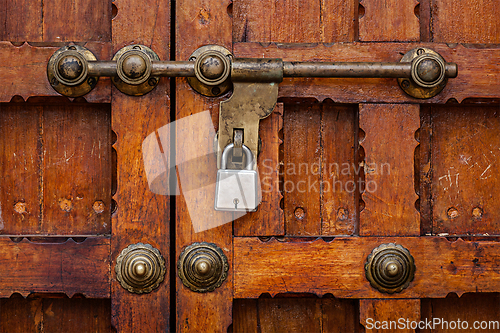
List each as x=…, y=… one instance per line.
x=140, y=268
x=390, y=268
x=202, y=267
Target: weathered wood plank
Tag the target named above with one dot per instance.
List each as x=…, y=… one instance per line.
x=337, y=267
x=389, y=147
x=474, y=65
x=21, y=21
x=81, y=20
x=482, y=309
x=200, y=23
x=23, y=72
x=302, y=169
x=295, y=314
x=44, y=144
x=294, y=21
x=69, y=267
x=384, y=315
x=470, y=21
x=268, y=219
x=465, y=163
x=389, y=20
x=20, y=200
x=76, y=175
x=55, y=21
x=56, y=314
x=142, y=215
x=339, y=170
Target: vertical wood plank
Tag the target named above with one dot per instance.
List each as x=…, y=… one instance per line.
x=79, y=20
x=389, y=311
x=290, y=315
x=302, y=169
x=339, y=315
x=141, y=215
x=389, y=20
x=61, y=315
x=21, y=21
x=268, y=219
x=483, y=308
x=19, y=200
x=18, y=314
x=296, y=314
x=245, y=316
x=296, y=21
x=465, y=163
x=389, y=146
x=76, y=175
x=198, y=23
x=339, y=170
x=470, y=21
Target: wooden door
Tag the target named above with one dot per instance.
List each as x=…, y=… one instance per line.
x=73, y=190
x=349, y=164
x=352, y=164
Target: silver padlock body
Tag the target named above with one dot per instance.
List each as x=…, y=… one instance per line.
x=237, y=186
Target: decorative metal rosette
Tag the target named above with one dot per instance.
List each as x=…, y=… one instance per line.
x=140, y=268
x=202, y=267
x=390, y=268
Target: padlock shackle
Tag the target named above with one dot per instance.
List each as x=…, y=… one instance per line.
x=248, y=153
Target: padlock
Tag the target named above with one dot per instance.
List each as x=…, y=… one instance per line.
x=237, y=190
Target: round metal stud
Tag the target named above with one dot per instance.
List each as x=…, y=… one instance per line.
x=390, y=268
x=202, y=267
x=428, y=71
x=134, y=64
x=212, y=70
x=67, y=71
x=140, y=268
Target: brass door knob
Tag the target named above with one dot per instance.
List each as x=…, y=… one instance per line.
x=390, y=268
x=140, y=268
x=202, y=267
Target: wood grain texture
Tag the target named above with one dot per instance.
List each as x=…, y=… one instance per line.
x=389, y=146
x=337, y=267
x=141, y=216
x=388, y=314
x=483, y=308
x=474, y=65
x=200, y=23
x=21, y=21
x=320, y=169
x=389, y=20
x=297, y=314
x=296, y=21
x=302, y=169
x=20, y=124
x=76, y=162
x=268, y=220
x=423, y=164
x=340, y=170
x=56, y=315
x=469, y=21
x=23, y=72
x=61, y=152
x=465, y=158
x=55, y=21
x=68, y=267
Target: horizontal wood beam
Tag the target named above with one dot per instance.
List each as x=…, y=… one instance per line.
x=23, y=71
x=337, y=267
x=69, y=267
x=477, y=71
